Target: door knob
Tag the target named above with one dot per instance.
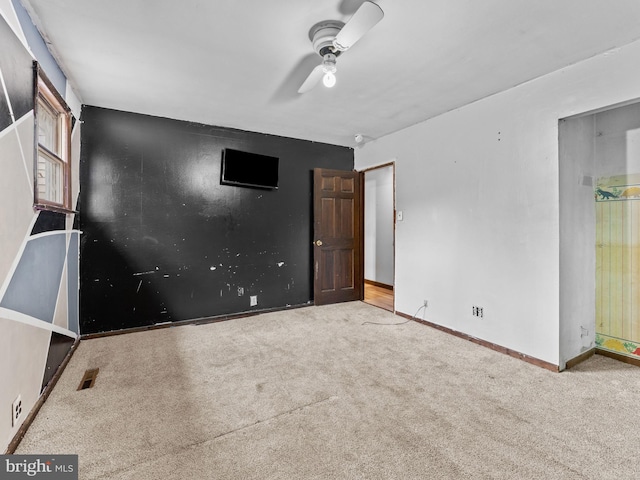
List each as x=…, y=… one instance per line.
x=318, y=243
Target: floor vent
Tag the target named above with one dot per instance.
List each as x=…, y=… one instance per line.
x=89, y=378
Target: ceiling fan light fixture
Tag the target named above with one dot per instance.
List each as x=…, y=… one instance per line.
x=329, y=68
x=329, y=79
x=332, y=37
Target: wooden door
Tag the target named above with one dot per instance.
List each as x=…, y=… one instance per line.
x=338, y=262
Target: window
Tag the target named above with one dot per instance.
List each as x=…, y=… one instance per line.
x=52, y=185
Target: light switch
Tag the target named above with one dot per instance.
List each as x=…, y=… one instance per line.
x=399, y=215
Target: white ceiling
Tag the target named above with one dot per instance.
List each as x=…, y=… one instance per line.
x=239, y=63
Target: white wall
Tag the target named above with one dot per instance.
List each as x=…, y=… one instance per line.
x=378, y=225
x=577, y=236
x=479, y=187
x=617, y=141
x=8, y=13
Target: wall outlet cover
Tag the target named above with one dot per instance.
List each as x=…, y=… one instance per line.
x=16, y=411
x=253, y=300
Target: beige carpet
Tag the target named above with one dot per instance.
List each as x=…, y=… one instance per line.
x=318, y=393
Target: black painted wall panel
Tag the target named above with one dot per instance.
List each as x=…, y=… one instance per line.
x=5, y=115
x=59, y=346
x=49, y=221
x=17, y=72
x=164, y=241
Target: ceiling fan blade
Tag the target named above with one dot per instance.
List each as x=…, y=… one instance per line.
x=311, y=81
x=365, y=18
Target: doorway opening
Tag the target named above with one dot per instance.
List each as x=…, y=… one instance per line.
x=379, y=236
x=600, y=233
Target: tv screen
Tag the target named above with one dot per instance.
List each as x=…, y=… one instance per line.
x=246, y=169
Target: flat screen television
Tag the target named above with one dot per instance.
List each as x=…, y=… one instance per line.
x=246, y=169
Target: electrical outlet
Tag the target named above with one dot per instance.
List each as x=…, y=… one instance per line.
x=477, y=311
x=16, y=411
x=253, y=300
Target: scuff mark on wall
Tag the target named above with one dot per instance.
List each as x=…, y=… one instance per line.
x=174, y=216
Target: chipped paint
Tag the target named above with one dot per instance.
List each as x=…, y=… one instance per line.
x=202, y=238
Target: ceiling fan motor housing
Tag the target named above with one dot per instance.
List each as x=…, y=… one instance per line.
x=322, y=35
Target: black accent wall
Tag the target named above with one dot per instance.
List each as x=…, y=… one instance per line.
x=164, y=241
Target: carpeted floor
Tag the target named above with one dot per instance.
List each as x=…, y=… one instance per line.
x=319, y=393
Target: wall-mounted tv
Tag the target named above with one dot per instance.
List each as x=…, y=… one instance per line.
x=246, y=169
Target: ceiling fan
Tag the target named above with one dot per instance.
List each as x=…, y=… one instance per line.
x=332, y=37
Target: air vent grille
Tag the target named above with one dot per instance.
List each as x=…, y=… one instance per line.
x=89, y=378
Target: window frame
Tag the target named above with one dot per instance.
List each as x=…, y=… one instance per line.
x=46, y=96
